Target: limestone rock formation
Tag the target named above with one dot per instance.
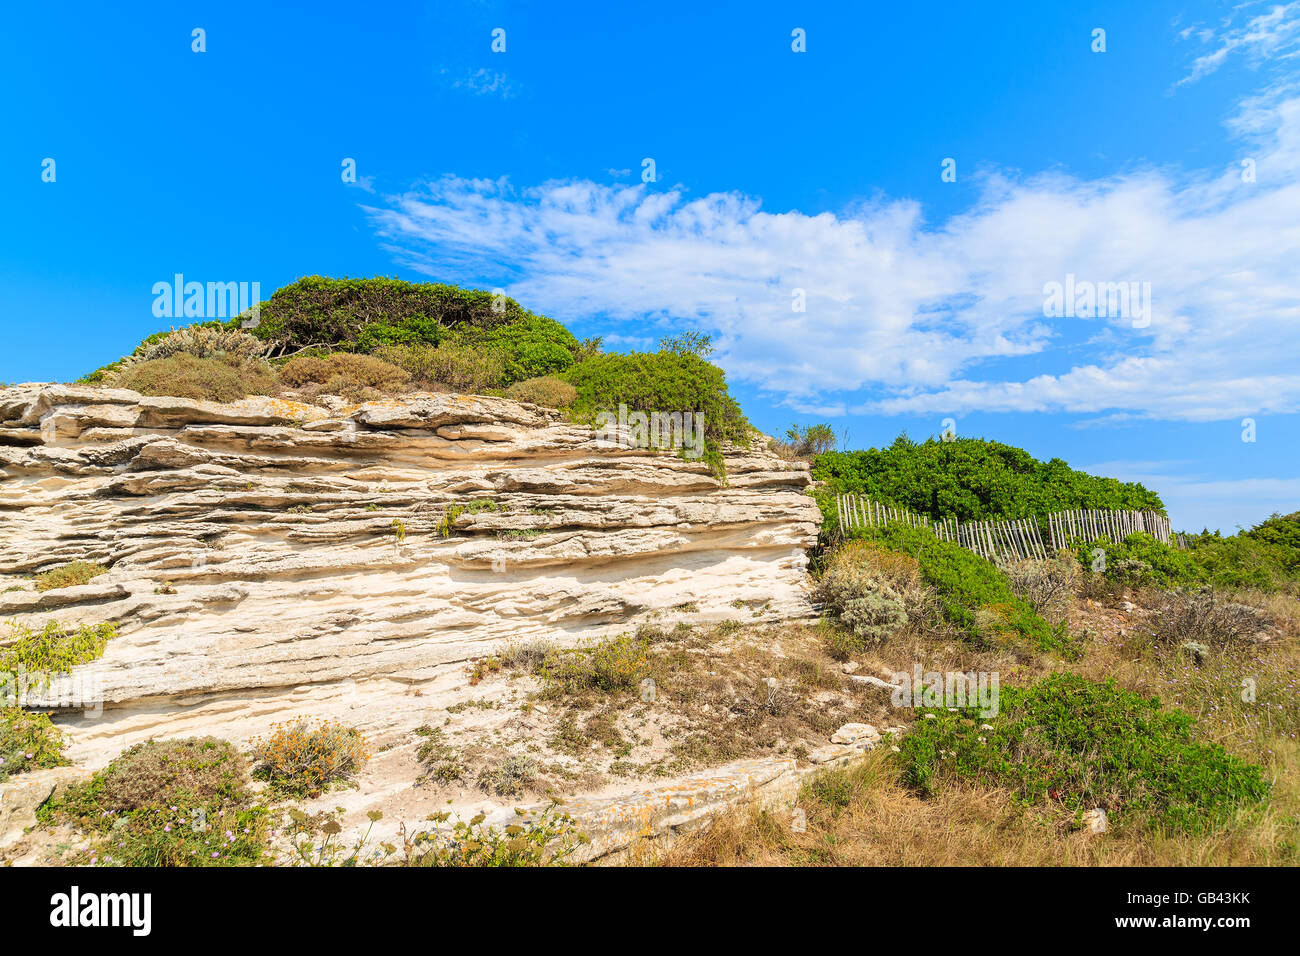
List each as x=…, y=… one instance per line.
x=269, y=558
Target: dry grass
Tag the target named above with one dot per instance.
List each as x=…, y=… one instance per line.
x=220, y=378
x=78, y=572
x=357, y=378
x=867, y=818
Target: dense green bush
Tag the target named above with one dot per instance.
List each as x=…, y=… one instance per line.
x=532, y=346
x=973, y=480
x=1085, y=744
x=1266, y=557
x=664, y=382
x=973, y=593
x=367, y=313
x=1139, y=560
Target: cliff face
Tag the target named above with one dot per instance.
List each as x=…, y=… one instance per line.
x=269, y=559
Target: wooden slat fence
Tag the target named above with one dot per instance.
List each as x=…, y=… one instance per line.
x=1011, y=539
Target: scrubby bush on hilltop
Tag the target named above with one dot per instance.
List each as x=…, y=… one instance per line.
x=663, y=382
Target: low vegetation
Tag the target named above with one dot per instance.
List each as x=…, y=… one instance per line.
x=1083, y=744
x=306, y=757
x=972, y=593
x=221, y=378
x=364, y=339
x=545, y=390
x=182, y=802
x=77, y=572
x=28, y=741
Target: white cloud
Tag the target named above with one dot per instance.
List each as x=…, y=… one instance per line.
x=902, y=318
x=1271, y=35
x=484, y=82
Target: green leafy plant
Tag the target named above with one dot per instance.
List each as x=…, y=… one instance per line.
x=1139, y=559
x=55, y=649
x=1081, y=744
x=972, y=593
x=972, y=480
x=664, y=382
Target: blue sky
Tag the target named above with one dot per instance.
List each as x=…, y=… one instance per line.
x=776, y=171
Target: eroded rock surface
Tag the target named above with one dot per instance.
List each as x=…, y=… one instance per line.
x=269, y=559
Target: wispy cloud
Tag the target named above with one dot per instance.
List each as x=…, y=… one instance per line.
x=1273, y=34
x=482, y=82
x=904, y=319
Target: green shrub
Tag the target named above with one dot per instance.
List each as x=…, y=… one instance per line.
x=609, y=666
x=78, y=572
x=305, y=757
x=466, y=369
x=1139, y=560
x=362, y=315
x=222, y=378
x=55, y=649
x=28, y=741
x=972, y=592
x=532, y=346
x=189, y=771
x=1267, y=557
x=1084, y=744
x=168, y=803
x=972, y=480
x=806, y=442
x=870, y=590
x=546, y=390
x=664, y=382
